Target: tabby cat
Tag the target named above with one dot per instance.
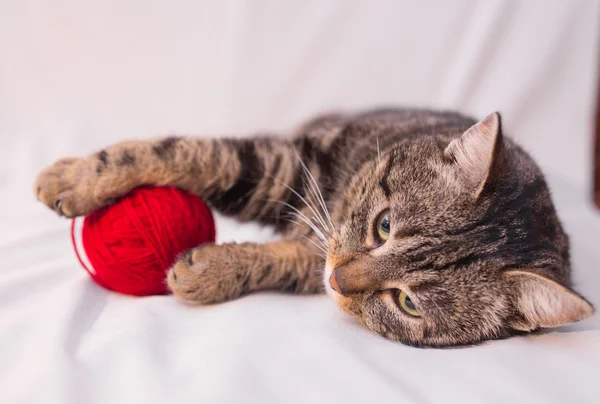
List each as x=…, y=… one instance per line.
x=428, y=227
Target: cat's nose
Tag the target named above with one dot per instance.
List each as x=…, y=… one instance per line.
x=337, y=262
x=334, y=284
x=355, y=276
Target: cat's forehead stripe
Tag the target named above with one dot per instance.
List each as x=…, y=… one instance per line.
x=383, y=180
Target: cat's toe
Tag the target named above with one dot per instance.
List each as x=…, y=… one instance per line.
x=202, y=275
x=64, y=187
x=50, y=188
x=186, y=278
x=58, y=207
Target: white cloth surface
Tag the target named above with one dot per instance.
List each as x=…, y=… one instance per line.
x=76, y=76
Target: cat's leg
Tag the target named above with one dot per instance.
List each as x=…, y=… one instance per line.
x=215, y=273
x=247, y=178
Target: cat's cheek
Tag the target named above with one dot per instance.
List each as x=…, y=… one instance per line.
x=343, y=302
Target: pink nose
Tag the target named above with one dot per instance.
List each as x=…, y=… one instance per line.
x=334, y=284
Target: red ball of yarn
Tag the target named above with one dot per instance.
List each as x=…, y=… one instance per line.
x=129, y=246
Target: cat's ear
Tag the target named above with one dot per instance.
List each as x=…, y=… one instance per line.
x=478, y=154
x=544, y=303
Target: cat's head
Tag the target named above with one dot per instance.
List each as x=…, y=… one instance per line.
x=452, y=242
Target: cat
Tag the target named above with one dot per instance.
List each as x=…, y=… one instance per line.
x=430, y=228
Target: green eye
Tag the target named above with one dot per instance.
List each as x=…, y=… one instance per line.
x=407, y=305
x=383, y=225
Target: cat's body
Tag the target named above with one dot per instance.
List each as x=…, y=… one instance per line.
x=429, y=228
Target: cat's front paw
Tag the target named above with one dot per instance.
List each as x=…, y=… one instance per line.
x=208, y=274
x=67, y=187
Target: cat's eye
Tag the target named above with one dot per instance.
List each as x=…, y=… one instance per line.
x=383, y=225
x=407, y=305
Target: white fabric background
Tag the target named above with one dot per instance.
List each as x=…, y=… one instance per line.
x=76, y=76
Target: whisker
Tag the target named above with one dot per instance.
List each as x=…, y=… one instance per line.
x=322, y=248
x=305, y=219
x=318, y=223
x=320, y=195
x=313, y=210
x=318, y=246
x=324, y=242
x=314, y=195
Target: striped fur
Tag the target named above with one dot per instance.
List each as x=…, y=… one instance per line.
x=454, y=236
